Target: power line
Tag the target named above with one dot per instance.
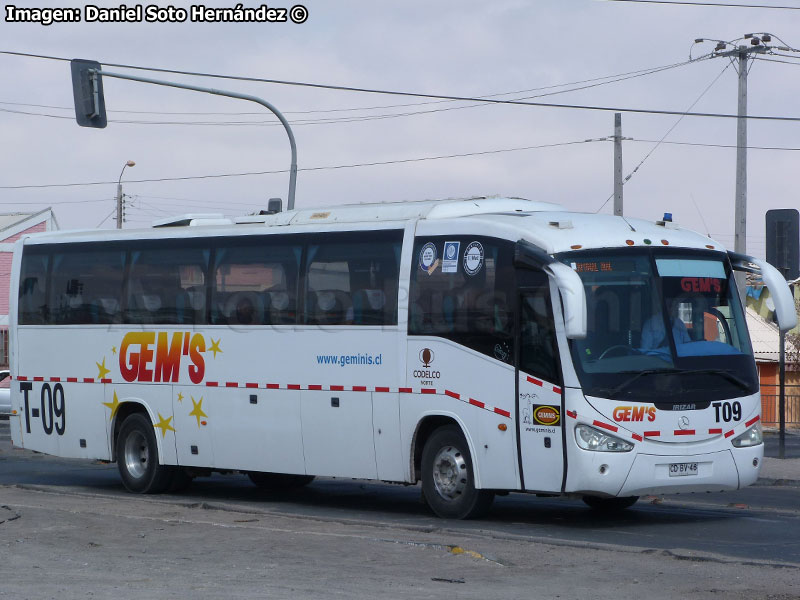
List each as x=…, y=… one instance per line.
x=721, y=4
x=663, y=137
x=320, y=168
x=611, y=79
x=443, y=96
x=348, y=119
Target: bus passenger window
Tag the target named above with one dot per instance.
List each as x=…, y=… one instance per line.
x=86, y=287
x=476, y=308
x=167, y=286
x=32, y=305
x=255, y=283
x=353, y=281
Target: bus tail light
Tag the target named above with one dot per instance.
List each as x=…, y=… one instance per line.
x=593, y=439
x=751, y=437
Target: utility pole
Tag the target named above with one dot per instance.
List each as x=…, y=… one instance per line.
x=741, y=54
x=618, y=164
x=121, y=196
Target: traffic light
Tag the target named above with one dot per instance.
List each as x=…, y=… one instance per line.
x=87, y=90
x=783, y=241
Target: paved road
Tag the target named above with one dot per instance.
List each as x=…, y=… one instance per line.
x=761, y=522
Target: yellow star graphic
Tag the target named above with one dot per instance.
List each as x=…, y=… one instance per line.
x=180, y=397
x=163, y=425
x=101, y=369
x=113, y=349
x=215, y=347
x=113, y=406
x=197, y=411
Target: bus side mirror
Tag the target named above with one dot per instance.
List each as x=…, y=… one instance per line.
x=785, y=311
x=573, y=296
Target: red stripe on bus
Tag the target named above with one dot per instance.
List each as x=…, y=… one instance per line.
x=273, y=386
x=381, y=389
x=231, y=384
x=753, y=420
x=21, y=378
x=337, y=388
x=359, y=388
x=452, y=394
x=651, y=434
x=684, y=432
x=315, y=388
x=56, y=379
x=713, y=431
x=38, y=378
x=406, y=391
x=105, y=381
x=557, y=389
x=86, y=380
x=534, y=381
x=251, y=385
x=477, y=403
x=729, y=433
x=613, y=428
x=69, y=379
x=500, y=411
x=637, y=437
x=292, y=386
x=427, y=391
x=212, y=383
x=572, y=413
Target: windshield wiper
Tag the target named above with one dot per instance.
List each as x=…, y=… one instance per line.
x=614, y=391
x=726, y=373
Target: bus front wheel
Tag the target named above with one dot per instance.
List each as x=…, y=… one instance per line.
x=137, y=457
x=448, y=482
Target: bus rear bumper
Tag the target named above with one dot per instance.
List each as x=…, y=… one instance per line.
x=707, y=472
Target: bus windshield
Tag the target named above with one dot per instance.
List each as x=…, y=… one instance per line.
x=663, y=325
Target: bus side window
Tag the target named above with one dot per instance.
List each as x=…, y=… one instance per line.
x=538, y=336
x=32, y=306
x=353, y=281
x=167, y=286
x=476, y=308
x=86, y=286
x=255, y=283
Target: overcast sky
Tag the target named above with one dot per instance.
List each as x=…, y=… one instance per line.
x=462, y=48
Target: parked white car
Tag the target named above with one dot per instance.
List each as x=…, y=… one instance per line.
x=5, y=395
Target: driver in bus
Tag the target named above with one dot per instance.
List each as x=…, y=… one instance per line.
x=653, y=334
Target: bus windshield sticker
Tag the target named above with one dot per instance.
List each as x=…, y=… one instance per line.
x=473, y=258
x=450, y=259
x=428, y=258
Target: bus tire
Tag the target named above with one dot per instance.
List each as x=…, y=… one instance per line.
x=137, y=457
x=277, y=482
x=610, y=505
x=448, y=482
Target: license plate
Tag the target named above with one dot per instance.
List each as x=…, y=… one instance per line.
x=682, y=469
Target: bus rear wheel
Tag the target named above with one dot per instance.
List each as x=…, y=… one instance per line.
x=137, y=457
x=276, y=482
x=610, y=505
x=448, y=482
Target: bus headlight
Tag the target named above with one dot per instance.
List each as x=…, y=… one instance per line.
x=751, y=437
x=593, y=439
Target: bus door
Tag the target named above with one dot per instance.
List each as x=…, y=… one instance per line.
x=540, y=404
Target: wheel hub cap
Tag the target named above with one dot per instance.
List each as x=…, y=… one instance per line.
x=450, y=473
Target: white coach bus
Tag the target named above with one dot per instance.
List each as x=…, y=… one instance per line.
x=478, y=346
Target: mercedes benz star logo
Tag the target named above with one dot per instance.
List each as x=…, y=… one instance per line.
x=683, y=422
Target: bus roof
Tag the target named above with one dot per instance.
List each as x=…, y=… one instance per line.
x=549, y=225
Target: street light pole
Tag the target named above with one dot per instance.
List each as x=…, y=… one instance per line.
x=120, y=202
